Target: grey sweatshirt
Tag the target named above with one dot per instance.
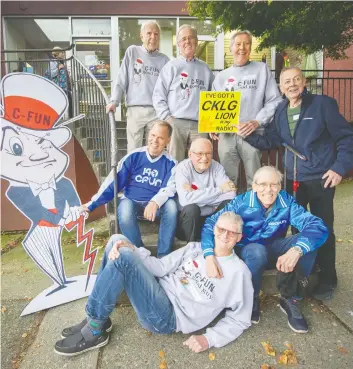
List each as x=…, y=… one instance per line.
x=177, y=91
x=207, y=193
x=259, y=92
x=197, y=299
x=137, y=76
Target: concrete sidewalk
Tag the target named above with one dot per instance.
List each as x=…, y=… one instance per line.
x=27, y=342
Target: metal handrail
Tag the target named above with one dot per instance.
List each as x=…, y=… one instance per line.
x=37, y=50
x=113, y=140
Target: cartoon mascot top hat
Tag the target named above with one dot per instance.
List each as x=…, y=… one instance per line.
x=34, y=105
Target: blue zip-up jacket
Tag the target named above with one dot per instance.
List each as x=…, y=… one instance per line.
x=322, y=135
x=259, y=228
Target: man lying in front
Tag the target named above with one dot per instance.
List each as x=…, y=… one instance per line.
x=182, y=299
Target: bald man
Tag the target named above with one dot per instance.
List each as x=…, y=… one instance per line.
x=203, y=188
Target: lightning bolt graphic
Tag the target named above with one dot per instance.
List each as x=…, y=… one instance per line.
x=87, y=238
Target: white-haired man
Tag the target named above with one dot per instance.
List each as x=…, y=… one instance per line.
x=136, y=79
x=169, y=295
x=325, y=148
x=267, y=213
x=259, y=99
x=177, y=91
x=203, y=188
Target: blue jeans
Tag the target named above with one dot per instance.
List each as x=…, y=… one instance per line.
x=128, y=213
x=152, y=306
x=257, y=257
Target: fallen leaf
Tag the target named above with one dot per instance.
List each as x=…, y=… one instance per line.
x=3, y=309
x=25, y=335
x=339, y=240
x=163, y=365
x=212, y=356
x=350, y=241
x=161, y=354
x=266, y=366
x=342, y=349
x=268, y=349
x=25, y=270
x=315, y=310
x=288, y=357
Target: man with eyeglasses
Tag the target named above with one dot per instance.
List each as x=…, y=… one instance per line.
x=318, y=153
x=267, y=212
x=203, y=188
x=177, y=92
x=259, y=99
x=172, y=294
x=136, y=79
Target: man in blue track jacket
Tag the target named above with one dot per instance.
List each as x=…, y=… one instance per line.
x=147, y=177
x=267, y=213
x=323, y=139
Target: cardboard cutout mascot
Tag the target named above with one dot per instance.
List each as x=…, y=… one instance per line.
x=34, y=164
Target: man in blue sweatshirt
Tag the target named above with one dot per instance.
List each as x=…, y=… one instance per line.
x=169, y=295
x=136, y=79
x=267, y=213
x=176, y=95
x=323, y=141
x=146, y=176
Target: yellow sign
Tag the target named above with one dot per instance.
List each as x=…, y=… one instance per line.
x=219, y=111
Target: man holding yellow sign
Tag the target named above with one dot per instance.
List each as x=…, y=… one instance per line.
x=251, y=84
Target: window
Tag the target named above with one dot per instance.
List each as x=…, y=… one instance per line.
x=91, y=27
x=33, y=33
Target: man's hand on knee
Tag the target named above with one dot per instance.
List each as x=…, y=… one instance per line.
x=213, y=269
x=196, y=343
x=114, y=252
x=287, y=262
x=151, y=211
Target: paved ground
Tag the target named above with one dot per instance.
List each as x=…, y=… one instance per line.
x=27, y=342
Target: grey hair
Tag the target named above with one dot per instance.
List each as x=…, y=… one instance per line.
x=164, y=123
x=267, y=168
x=234, y=218
x=200, y=139
x=150, y=23
x=238, y=33
x=186, y=26
x=290, y=68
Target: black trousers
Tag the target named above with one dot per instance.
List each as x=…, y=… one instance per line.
x=320, y=200
x=190, y=222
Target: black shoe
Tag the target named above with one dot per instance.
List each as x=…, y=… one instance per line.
x=77, y=328
x=296, y=321
x=324, y=292
x=255, y=315
x=76, y=344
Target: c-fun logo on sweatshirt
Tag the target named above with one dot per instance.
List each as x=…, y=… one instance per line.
x=230, y=84
x=138, y=64
x=184, y=85
x=149, y=176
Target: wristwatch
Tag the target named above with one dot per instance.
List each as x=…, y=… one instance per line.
x=298, y=249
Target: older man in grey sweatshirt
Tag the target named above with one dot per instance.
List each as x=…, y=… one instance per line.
x=177, y=92
x=171, y=294
x=203, y=189
x=259, y=99
x=136, y=79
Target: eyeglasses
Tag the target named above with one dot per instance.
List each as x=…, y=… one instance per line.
x=188, y=38
x=199, y=155
x=263, y=186
x=221, y=230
